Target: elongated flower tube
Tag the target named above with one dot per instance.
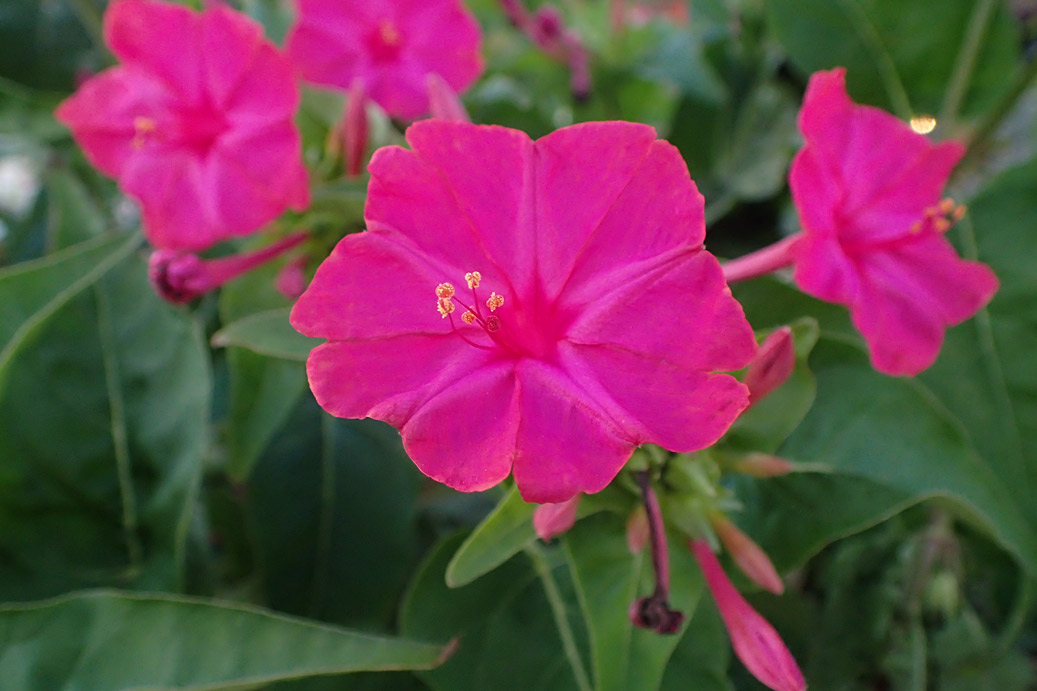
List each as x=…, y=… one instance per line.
x=543, y=320
x=773, y=365
x=550, y=520
x=196, y=123
x=754, y=640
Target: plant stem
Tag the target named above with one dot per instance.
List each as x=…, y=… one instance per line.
x=762, y=261
x=971, y=43
x=554, y=598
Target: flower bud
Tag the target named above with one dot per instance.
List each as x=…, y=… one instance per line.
x=554, y=519
x=763, y=465
x=773, y=365
x=754, y=640
x=637, y=530
x=176, y=276
x=355, y=129
x=748, y=555
x=291, y=279
x=444, y=102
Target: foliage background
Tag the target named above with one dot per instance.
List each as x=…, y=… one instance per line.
x=169, y=491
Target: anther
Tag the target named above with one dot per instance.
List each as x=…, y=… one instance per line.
x=941, y=225
x=492, y=323
x=444, y=291
x=946, y=205
x=959, y=212
x=494, y=301
x=473, y=278
x=445, y=307
x=142, y=127
x=468, y=317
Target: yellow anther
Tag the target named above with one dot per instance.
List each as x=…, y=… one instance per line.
x=941, y=225
x=494, y=301
x=492, y=323
x=959, y=212
x=389, y=34
x=445, y=307
x=142, y=127
x=468, y=317
x=946, y=205
x=444, y=291
x=916, y=227
x=473, y=278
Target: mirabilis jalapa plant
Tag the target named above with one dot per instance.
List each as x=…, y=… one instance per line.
x=532, y=309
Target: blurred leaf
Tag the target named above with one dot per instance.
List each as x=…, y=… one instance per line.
x=506, y=638
x=266, y=333
x=608, y=580
x=31, y=292
x=73, y=217
x=331, y=506
x=700, y=660
x=44, y=45
x=505, y=532
x=986, y=372
x=895, y=433
x=897, y=50
x=110, y=640
x=99, y=474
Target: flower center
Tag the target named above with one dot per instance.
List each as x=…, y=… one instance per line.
x=447, y=302
x=385, y=41
x=197, y=129
x=940, y=218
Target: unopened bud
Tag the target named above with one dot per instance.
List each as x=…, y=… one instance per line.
x=176, y=276
x=748, y=555
x=554, y=519
x=355, y=129
x=444, y=103
x=291, y=279
x=773, y=365
x=763, y=465
x=654, y=613
x=638, y=530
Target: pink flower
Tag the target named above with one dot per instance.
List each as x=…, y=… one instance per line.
x=748, y=555
x=389, y=45
x=587, y=317
x=196, y=123
x=554, y=519
x=755, y=641
x=772, y=366
x=868, y=192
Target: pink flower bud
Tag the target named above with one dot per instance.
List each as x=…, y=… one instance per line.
x=355, y=129
x=773, y=365
x=764, y=465
x=751, y=559
x=291, y=279
x=754, y=640
x=554, y=519
x=444, y=102
x=638, y=530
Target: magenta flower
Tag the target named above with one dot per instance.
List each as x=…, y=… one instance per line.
x=868, y=191
x=536, y=307
x=391, y=46
x=754, y=640
x=196, y=123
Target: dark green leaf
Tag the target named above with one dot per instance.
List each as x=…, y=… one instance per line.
x=110, y=640
x=266, y=333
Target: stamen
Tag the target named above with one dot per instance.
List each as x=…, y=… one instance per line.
x=468, y=317
x=494, y=301
x=473, y=278
x=142, y=127
x=388, y=32
x=959, y=212
x=445, y=307
x=940, y=217
x=444, y=291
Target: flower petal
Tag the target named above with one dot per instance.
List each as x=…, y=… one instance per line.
x=564, y=445
x=654, y=402
x=635, y=310
x=372, y=286
x=464, y=437
x=161, y=38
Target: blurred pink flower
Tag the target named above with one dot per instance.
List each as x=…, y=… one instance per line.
x=587, y=318
x=554, y=519
x=755, y=641
x=868, y=192
x=772, y=366
x=391, y=46
x=196, y=123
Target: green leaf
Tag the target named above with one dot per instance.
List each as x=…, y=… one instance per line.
x=267, y=333
x=111, y=640
x=608, y=579
x=100, y=472
x=505, y=532
x=31, y=292
x=700, y=660
x=895, y=433
x=331, y=506
x=898, y=55
x=506, y=638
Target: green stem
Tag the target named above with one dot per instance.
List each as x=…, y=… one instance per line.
x=872, y=40
x=554, y=598
x=971, y=43
x=978, y=141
